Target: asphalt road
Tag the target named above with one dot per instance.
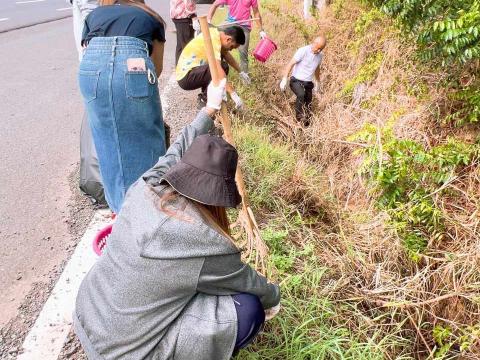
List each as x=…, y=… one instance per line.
x=40, y=116
x=20, y=13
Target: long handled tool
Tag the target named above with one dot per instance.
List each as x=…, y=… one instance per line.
x=255, y=243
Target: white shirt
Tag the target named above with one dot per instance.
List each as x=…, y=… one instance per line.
x=307, y=63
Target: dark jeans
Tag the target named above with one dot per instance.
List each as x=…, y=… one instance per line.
x=303, y=105
x=185, y=33
x=199, y=78
x=250, y=318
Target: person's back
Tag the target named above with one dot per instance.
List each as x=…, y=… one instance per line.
x=194, y=54
x=118, y=80
x=122, y=20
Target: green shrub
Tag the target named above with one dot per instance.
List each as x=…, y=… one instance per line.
x=407, y=175
x=367, y=72
x=444, y=30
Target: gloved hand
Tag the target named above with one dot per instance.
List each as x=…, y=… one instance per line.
x=272, y=312
x=196, y=25
x=316, y=86
x=216, y=94
x=236, y=99
x=263, y=34
x=245, y=78
x=283, y=84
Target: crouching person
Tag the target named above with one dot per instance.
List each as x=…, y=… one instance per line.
x=192, y=71
x=306, y=65
x=170, y=283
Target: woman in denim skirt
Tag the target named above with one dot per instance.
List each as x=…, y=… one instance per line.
x=118, y=78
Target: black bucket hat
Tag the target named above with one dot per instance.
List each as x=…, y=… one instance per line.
x=206, y=172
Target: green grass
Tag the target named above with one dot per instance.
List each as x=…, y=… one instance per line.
x=267, y=165
x=311, y=324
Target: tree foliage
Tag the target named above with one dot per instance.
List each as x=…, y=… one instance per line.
x=445, y=30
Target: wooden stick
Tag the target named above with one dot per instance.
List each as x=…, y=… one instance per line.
x=253, y=234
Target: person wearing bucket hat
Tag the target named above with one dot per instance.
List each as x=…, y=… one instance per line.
x=171, y=284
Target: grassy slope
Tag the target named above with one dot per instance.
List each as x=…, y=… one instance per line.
x=353, y=286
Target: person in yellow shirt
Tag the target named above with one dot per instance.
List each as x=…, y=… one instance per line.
x=192, y=70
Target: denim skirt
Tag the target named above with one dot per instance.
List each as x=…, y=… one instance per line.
x=124, y=111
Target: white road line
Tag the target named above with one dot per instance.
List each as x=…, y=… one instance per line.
x=47, y=336
x=29, y=1
x=63, y=9
x=4, y=19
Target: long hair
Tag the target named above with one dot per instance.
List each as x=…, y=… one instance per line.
x=216, y=215
x=139, y=4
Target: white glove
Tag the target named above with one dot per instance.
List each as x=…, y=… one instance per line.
x=272, y=312
x=236, y=99
x=245, y=78
x=216, y=94
x=263, y=34
x=283, y=84
x=316, y=86
x=196, y=25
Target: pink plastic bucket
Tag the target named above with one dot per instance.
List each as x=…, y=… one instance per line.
x=264, y=49
x=100, y=240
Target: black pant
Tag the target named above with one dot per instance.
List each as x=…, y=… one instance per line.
x=303, y=104
x=199, y=78
x=185, y=33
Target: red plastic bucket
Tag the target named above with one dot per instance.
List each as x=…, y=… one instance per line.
x=264, y=49
x=100, y=240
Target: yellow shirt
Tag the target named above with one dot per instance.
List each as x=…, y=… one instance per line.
x=194, y=53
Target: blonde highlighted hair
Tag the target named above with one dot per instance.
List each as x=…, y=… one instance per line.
x=215, y=215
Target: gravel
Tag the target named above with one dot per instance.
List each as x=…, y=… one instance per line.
x=80, y=211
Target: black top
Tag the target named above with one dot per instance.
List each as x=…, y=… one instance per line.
x=123, y=20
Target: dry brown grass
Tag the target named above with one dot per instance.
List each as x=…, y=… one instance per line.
x=372, y=271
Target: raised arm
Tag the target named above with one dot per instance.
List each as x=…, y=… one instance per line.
x=202, y=124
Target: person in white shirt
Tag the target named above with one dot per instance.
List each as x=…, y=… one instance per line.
x=306, y=68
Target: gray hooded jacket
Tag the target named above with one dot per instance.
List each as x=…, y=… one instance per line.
x=162, y=288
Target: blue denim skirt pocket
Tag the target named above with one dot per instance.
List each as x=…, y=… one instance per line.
x=137, y=85
x=88, y=80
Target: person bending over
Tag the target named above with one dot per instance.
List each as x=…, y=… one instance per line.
x=306, y=65
x=118, y=74
x=239, y=11
x=192, y=70
x=170, y=283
